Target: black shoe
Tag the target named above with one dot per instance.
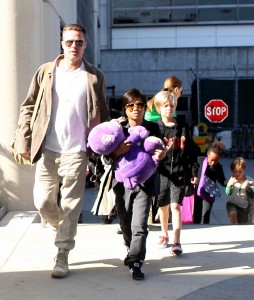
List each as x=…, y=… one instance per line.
x=126, y=260
x=136, y=272
x=106, y=220
x=119, y=231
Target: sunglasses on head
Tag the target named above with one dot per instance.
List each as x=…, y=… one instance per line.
x=78, y=43
x=139, y=105
x=168, y=90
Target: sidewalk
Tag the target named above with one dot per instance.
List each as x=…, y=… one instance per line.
x=217, y=262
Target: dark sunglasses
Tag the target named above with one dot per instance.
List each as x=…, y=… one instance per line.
x=139, y=105
x=78, y=43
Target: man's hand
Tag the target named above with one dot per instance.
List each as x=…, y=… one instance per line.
x=26, y=155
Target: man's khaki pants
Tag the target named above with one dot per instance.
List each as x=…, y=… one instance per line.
x=69, y=170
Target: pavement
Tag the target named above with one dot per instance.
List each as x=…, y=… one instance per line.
x=217, y=263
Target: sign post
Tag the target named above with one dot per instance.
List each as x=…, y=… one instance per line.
x=216, y=111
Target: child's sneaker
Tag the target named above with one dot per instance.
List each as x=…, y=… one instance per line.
x=136, y=271
x=176, y=249
x=163, y=242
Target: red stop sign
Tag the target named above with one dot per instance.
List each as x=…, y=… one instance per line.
x=216, y=111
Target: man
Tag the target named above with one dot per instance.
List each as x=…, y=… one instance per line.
x=73, y=102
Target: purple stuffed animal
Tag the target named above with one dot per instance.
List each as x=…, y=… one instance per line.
x=135, y=166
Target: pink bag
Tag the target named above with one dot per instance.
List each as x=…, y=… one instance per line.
x=187, y=209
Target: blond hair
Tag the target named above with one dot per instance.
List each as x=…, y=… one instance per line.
x=162, y=97
x=238, y=162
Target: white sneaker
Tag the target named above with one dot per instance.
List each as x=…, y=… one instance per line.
x=61, y=268
x=163, y=242
x=176, y=249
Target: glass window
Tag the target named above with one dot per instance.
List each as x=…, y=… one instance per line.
x=134, y=11
x=217, y=14
x=183, y=15
x=246, y=14
x=134, y=16
x=216, y=2
x=151, y=12
x=246, y=1
x=181, y=2
x=132, y=3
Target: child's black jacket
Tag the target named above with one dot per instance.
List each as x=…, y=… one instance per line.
x=181, y=157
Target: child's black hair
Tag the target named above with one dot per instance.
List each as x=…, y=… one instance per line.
x=217, y=147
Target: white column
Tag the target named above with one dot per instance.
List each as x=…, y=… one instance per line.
x=21, y=53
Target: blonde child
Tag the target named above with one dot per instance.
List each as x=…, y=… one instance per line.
x=180, y=156
x=172, y=84
x=240, y=189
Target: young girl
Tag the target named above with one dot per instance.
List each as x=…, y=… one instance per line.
x=240, y=191
x=133, y=205
x=181, y=155
x=175, y=86
x=212, y=169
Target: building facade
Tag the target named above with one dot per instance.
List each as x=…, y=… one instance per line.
x=143, y=42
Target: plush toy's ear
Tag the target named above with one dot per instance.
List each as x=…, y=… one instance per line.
x=151, y=143
x=137, y=134
x=105, y=137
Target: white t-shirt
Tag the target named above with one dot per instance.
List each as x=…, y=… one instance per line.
x=67, y=127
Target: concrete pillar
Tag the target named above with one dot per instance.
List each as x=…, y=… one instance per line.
x=21, y=54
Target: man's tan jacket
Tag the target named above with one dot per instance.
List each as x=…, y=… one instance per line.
x=97, y=110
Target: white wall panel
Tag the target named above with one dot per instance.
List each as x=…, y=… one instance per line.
x=183, y=37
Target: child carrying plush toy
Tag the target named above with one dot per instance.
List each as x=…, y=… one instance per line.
x=133, y=205
x=139, y=163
